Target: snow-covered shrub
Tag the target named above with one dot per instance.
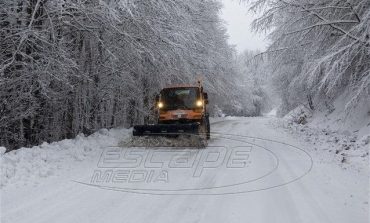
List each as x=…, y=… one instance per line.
x=299, y=115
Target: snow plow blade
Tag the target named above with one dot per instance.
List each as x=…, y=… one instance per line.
x=165, y=129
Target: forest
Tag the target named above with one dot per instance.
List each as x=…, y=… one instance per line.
x=76, y=66
x=319, y=51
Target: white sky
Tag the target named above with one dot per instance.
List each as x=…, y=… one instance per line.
x=238, y=23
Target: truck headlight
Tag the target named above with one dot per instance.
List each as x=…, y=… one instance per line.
x=160, y=105
x=199, y=103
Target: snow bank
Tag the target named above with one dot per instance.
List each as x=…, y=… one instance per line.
x=2, y=150
x=356, y=121
x=347, y=138
x=299, y=115
x=31, y=164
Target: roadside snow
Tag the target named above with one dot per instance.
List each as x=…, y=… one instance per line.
x=28, y=165
x=271, y=113
x=2, y=150
x=347, y=142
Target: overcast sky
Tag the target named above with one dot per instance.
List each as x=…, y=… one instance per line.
x=238, y=22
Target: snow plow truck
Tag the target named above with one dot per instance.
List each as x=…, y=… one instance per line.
x=181, y=110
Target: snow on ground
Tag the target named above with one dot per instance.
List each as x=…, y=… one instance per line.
x=28, y=165
x=347, y=150
x=38, y=184
x=346, y=141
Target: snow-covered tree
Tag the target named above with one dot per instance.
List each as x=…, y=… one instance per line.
x=71, y=66
x=320, y=50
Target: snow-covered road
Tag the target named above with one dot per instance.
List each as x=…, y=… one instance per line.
x=250, y=172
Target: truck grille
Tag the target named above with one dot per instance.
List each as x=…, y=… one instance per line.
x=179, y=116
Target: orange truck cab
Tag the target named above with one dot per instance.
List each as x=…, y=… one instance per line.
x=180, y=109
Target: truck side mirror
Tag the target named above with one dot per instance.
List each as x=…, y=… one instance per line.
x=205, y=97
x=157, y=98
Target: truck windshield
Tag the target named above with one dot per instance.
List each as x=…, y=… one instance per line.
x=179, y=98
